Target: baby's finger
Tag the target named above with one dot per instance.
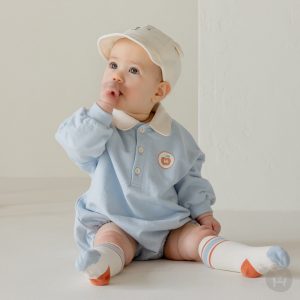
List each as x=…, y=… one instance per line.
x=110, y=96
x=112, y=93
x=112, y=86
x=216, y=227
x=205, y=226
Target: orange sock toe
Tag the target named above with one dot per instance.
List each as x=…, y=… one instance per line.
x=248, y=270
x=102, y=279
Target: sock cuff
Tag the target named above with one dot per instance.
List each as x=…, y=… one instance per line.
x=118, y=250
x=207, y=246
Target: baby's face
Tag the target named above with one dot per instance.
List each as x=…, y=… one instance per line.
x=138, y=76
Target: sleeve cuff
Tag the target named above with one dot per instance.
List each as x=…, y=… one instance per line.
x=208, y=213
x=199, y=210
x=97, y=113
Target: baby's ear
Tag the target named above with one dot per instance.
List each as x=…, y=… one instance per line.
x=162, y=91
x=168, y=87
x=164, y=88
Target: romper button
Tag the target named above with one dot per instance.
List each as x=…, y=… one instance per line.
x=142, y=130
x=137, y=171
x=141, y=149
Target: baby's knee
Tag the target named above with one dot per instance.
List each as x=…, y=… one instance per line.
x=198, y=232
x=111, y=233
x=190, y=239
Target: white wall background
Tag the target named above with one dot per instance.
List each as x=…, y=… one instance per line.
x=249, y=87
x=50, y=66
x=249, y=102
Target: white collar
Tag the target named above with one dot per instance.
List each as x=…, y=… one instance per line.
x=161, y=121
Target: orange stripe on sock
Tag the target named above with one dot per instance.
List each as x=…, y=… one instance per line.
x=248, y=270
x=212, y=250
x=102, y=279
x=206, y=244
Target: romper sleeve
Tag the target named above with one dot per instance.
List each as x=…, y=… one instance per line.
x=195, y=192
x=84, y=135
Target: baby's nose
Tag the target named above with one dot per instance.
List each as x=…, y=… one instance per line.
x=117, y=78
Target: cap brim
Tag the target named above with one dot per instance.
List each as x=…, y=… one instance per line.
x=106, y=42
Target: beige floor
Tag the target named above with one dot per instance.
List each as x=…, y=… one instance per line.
x=38, y=252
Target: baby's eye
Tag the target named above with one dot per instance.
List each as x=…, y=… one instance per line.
x=112, y=64
x=134, y=70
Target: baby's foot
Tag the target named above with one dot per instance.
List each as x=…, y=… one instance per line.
x=94, y=265
x=101, y=263
x=261, y=260
x=219, y=253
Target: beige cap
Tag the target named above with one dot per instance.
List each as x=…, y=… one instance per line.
x=162, y=49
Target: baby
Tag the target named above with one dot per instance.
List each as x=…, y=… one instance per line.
x=147, y=198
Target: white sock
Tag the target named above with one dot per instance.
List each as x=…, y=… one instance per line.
x=219, y=253
x=101, y=263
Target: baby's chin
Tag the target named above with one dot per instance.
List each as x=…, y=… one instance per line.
x=127, y=110
x=121, y=106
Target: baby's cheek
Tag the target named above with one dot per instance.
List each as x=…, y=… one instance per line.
x=133, y=96
x=106, y=75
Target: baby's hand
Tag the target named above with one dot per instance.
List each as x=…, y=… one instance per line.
x=109, y=96
x=209, y=221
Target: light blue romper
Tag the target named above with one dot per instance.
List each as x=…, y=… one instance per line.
x=145, y=177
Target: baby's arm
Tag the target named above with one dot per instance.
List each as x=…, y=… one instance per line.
x=85, y=133
x=196, y=193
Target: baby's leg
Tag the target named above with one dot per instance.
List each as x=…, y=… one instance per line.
x=113, y=250
x=195, y=242
x=182, y=243
x=111, y=233
x=219, y=253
